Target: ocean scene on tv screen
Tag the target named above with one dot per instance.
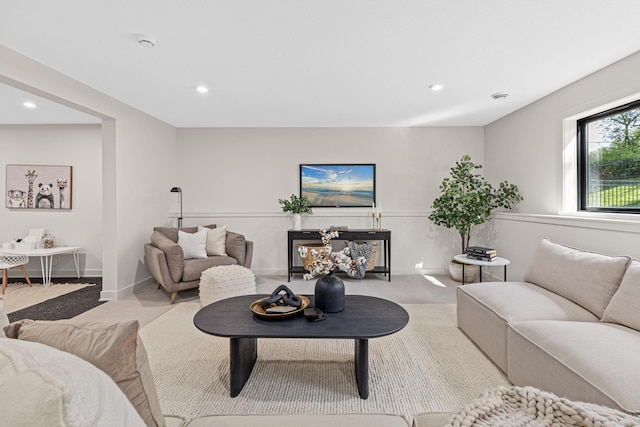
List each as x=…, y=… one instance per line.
x=338, y=185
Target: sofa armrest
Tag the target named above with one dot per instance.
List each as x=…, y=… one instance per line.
x=157, y=264
x=248, y=254
x=173, y=253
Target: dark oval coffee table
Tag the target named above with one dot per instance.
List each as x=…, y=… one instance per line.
x=364, y=317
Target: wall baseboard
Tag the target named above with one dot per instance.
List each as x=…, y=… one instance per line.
x=115, y=295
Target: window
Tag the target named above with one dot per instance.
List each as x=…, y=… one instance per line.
x=609, y=160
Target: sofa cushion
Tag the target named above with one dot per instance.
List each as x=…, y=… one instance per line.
x=431, y=419
x=172, y=251
x=586, y=278
x=194, y=245
x=236, y=247
x=43, y=386
x=114, y=348
x=623, y=307
x=172, y=232
x=485, y=310
x=193, y=268
x=216, y=238
x=296, y=420
x=584, y=361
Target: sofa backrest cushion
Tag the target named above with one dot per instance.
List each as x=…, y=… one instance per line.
x=43, y=386
x=236, y=247
x=172, y=251
x=623, y=307
x=589, y=279
x=114, y=348
x=172, y=232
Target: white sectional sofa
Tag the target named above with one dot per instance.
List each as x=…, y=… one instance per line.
x=572, y=327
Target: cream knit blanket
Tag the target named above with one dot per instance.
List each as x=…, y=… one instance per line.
x=528, y=406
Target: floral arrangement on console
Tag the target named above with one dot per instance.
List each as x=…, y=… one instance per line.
x=325, y=261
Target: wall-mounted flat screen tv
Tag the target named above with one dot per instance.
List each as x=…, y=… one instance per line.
x=338, y=185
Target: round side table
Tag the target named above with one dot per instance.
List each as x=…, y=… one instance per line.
x=497, y=262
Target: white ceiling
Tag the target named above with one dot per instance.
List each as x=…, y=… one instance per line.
x=13, y=112
x=328, y=63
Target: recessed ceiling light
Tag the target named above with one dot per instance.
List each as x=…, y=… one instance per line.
x=202, y=89
x=146, y=40
x=30, y=105
x=436, y=87
x=500, y=95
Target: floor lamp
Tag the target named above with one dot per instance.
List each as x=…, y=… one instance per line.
x=179, y=191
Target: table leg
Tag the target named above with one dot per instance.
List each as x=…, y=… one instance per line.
x=49, y=264
x=75, y=259
x=290, y=260
x=242, y=357
x=361, y=360
x=463, y=274
x=480, y=274
x=505, y=273
x=46, y=262
x=389, y=255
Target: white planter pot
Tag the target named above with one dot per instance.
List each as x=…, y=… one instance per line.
x=297, y=221
x=471, y=272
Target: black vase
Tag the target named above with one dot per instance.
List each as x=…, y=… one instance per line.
x=330, y=293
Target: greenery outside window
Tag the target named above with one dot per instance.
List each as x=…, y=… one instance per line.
x=609, y=160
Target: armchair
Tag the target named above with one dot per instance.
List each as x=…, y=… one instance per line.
x=165, y=258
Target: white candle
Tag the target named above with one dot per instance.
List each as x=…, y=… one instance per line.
x=379, y=208
x=373, y=208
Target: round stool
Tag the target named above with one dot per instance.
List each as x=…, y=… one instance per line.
x=225, y=281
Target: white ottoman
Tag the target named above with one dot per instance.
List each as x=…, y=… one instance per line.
x=225, y=281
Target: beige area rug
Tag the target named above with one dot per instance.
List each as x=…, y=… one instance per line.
x=429, y=366
x=21, y=295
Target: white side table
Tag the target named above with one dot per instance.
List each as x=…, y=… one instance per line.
x=497, y=262
x=46, y=258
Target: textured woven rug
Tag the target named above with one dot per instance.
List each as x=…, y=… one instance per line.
x=428, y=366
x=21, y=295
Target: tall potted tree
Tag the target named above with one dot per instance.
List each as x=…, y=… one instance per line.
x=296, y=206
x=468, y=200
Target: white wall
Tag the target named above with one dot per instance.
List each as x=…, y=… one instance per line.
x=526, y=148
x=78, y=146
x=138, y=167
x=236, y=176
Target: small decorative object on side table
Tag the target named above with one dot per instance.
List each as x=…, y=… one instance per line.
x=48, y=241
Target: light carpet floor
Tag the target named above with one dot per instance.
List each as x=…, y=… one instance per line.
x=21, y=295
x=429, y=366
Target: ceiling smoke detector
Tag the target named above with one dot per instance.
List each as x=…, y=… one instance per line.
x=146, y=40
x=500, y=95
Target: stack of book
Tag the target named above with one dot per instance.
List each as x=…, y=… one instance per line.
x=480, y=253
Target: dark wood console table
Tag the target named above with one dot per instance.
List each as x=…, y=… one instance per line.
x=312, y=234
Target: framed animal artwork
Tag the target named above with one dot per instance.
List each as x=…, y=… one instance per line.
x=39, y=187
